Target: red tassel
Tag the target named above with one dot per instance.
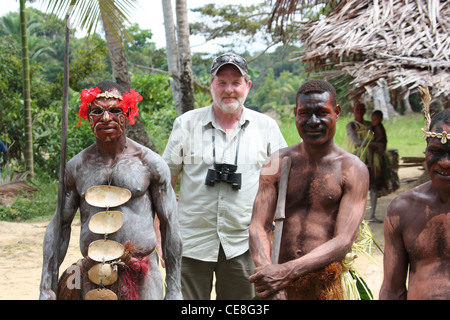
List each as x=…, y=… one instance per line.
x=130, y=278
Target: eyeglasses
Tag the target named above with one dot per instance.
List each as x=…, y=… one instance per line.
x=229, y=58
x=100, y=111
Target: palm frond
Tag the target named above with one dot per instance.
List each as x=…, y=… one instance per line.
x=85, y=14
x=365, y=241
x=365, y=144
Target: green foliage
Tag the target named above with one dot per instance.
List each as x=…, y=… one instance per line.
x=276, y=92
x=157, y=109
x=11, y=103
x=404, y=134
x=47, y=136
x=233, y=25
x=155, y=90
x=88, y=65
x=159, y=125
x=142, y=52
x=41, y=203
x=275, y=81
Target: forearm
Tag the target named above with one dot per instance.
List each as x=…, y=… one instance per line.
x=172, y=249
x=331, y=251
x=260, y=245
x=395, y=264
x=171, y=245
x=49, y=264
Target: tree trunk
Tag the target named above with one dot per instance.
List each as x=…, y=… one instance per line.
x=172, y=53
x=119, y=66
x=26, y=93
x=184, y=50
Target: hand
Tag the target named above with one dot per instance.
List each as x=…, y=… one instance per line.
x=269, y=281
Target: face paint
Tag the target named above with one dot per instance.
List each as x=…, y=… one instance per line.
x=437, y=157
x=316, y=117
x=107, y=119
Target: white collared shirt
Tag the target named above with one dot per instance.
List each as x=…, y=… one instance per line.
x=214, y=215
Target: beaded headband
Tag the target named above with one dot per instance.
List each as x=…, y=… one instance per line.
x=426, y=100
x=128, y=102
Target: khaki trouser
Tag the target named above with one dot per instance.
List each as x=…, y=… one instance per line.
x=231, y=278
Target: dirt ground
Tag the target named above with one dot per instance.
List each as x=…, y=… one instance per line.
x=21, y=250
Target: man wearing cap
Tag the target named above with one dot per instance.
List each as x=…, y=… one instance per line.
x=218, y=151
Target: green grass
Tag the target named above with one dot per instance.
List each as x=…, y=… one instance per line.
x=32, y=207
x=403, y=133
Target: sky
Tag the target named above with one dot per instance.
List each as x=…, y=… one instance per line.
x=150, y=16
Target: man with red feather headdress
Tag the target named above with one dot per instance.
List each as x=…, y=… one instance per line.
x=115, y=166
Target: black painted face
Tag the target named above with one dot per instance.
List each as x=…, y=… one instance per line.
x=437, y=157
x=316, y=117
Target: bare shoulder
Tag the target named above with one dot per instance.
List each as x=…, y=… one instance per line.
x=403, y=203
x=81, y=158
x=294, y=152
x=276, y=157
x=152, y=160
x=350, y=163
x=412, y=195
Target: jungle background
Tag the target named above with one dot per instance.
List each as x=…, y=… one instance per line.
x=275, y=82
x=276, y=76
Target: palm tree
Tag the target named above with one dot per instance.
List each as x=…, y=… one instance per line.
x=113, y=14
x=186, y=78
x=26, y=92
x=179, y=55
x=172, y=53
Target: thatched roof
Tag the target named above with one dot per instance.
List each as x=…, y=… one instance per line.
x=406, y=42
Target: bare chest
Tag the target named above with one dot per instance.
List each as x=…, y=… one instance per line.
x=428, y=237
x=128, y=172
x=316, y=190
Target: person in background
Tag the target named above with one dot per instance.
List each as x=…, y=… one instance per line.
x=357, y=131
x=218, y=151
x=361, y=142
x=4, y=151
x=379, y=171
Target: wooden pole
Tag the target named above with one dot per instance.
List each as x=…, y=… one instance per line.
x=62, y=164
x=279, y=211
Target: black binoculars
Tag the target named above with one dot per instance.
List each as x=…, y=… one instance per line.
x=224, y=173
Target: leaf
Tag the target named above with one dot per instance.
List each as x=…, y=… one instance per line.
x=85, y=14
x=364, y=292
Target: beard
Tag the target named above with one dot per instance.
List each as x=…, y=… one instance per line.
x=228, y=104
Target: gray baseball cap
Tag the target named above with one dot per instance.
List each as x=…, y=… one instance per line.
x=229, y=58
